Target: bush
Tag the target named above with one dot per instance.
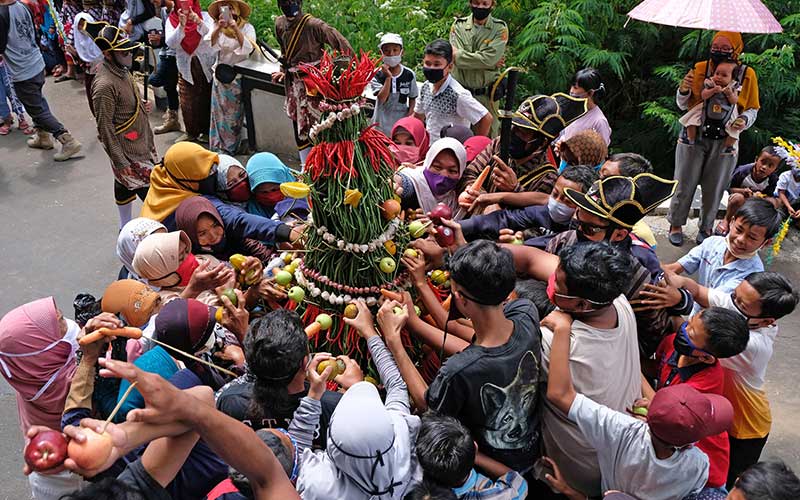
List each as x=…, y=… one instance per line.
x=642, y=63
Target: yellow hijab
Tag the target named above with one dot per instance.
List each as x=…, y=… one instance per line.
x=748, y=96
x=175, y=178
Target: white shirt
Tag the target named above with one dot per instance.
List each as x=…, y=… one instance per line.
x=228, y=50
x=787, y=183
x=605, y=367
x=751, y=364
x=206, y=56
x=84, y=45
x=451, y=104
x=627, y=459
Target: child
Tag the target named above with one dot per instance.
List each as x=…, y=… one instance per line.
x=656, y=459
x=446, y=453
x=626, y=165
x=691, y=356
x=7, y=95
x=788, y=192
x=762, y=298
x=442, y=100
x=720, y=94
x=722, y=262
x=395, y=86
x=754, y=179
x=410, y=140
x=767, y=480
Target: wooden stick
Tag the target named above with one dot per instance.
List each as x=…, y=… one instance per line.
x=116, y=408
x=212, y=365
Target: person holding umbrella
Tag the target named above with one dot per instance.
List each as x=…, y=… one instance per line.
x=706, y=162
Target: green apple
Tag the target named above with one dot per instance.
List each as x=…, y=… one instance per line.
x=325, y=321
x=388, y=265
x=283, y=278
x=416, y=229
x=297, y=294
x=410, y=253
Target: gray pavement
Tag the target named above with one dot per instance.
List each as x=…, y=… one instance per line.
x=58, y=236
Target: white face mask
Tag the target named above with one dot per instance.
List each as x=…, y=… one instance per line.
x=72, y=334
x=392, y=61
x=209, y=345
x=739, y=256
x=559, y=212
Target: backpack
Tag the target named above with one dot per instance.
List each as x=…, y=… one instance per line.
x=717, y=110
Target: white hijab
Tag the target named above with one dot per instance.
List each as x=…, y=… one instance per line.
x=369, y=451
x=427, y=200
x=129, y=238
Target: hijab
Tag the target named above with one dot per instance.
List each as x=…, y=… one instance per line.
x=133, y=300
x=748, y=95
x=417, y=130
x=187, y=214
x=263, y=168
x=158, y=256
x=427, y=200
x=129, y=238
x=225, y=164
x=458, y=132
x=191, y=35
x=475, y=145
x=37, y=361
x=371, y=460
x=185, y=324
x=177, y=178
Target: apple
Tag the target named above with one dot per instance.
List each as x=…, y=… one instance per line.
x=640, y=410
x=439, y=212
x=231, y=294
x=417, y=310
x=388, y=265
x=92, y=453
x=46, y=450
x=338, y=367
x=517, y=241
x=350, y=311
x=411, y=253
x=325, y=321
x=297, y=294
x=438, y=276
x=283, y=278
x=416, y=229
x=445, y=236
x=390, y=209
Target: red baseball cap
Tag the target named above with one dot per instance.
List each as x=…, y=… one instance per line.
x=680, y=415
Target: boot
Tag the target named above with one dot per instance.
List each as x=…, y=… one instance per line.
x=171, y=123
x=69, y=147
x=42, y=140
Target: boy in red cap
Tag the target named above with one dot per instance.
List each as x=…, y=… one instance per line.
x=654, y=459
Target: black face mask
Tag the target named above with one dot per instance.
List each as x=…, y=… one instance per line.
x=433, y=75
x=517, y=148
x=208, y=185
x=290, y=9
x=717, y=56
x=682, y=344
x=480, y=13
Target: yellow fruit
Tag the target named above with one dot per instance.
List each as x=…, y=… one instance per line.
x=390, y=247
x=287, y=257
x=439, y=277
x=352, y=197
x=237, y=261
x=350, y=311
x=338, y=367
x=296, y=190
x=218, y=316
x=411, y=253
x=231, y=294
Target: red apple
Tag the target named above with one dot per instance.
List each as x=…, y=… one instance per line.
x=46, y=450
x=92, y=453
x=445, y=236
x=439, y=212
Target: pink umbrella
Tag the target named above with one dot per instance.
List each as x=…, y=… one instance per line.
x=742, y=16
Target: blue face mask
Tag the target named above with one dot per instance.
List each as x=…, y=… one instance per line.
x=562, y=165
x=599, y=166
x=683, y=344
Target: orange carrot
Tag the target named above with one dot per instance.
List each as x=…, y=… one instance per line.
x=313, y=329
x=128, y=332
x=91, y=338
x=446, y=303
x=392, y=295
x=478, y=184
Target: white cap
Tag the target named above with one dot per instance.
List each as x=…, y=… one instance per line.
x=391, y=38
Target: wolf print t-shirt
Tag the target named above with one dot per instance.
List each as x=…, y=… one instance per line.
x=495, y=391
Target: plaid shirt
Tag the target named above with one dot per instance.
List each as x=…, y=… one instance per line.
x=511, y=486
x=536, y=174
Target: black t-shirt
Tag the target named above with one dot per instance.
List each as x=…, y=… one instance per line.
x=142, y=482
x=495, y=392
x=234, y=400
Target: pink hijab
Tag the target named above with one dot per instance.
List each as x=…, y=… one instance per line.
x=37, y=361
x=416, y=128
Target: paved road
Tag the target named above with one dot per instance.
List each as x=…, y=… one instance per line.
x=59, y=231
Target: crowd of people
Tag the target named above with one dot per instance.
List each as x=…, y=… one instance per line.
x=572, y=362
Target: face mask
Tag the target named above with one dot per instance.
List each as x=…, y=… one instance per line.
x=73, y=329
x=717, y=56
x=290, y=9
x=433, y=75
x=517, y=148
x=480, y=13
x=208, y=346
x=551, y=288
x=186, y=269
x=578, y=95
x=558, y=211
x=796, y=173
x=742, y=256
x=269, y=199
x=562, y=165
x=392, y=61
x=439, y=184
x=208, y=185
x=683, y=344
x=239, y=192
x=405, y=154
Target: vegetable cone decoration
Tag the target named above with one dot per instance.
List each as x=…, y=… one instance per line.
x=349, y=171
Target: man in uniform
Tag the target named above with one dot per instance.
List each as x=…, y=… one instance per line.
x=479, y=44
x=121, y=115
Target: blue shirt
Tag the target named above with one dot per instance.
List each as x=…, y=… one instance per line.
x=511, y=486
x=707, y=261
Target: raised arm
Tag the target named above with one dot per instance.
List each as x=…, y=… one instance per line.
x=560, y=391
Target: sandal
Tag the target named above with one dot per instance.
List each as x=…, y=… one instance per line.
x=718, y=231
x=5, y=129
x=26, y=128
x=63, y=78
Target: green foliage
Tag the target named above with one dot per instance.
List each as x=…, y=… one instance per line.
x=642, y=63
